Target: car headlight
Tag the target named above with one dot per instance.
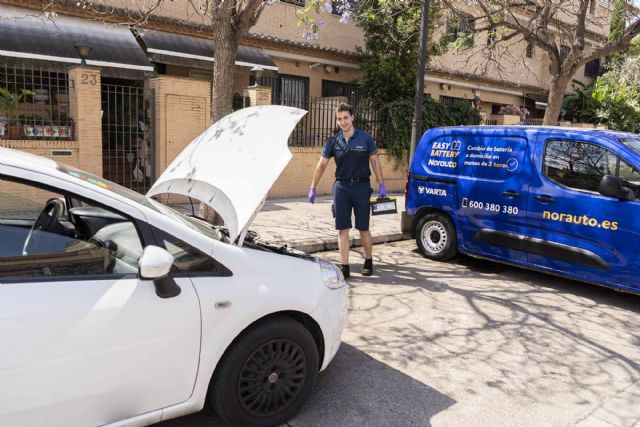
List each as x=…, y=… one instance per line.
x=331, y=276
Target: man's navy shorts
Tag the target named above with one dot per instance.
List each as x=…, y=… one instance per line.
x=348, y=197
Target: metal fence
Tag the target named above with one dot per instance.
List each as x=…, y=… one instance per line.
x=320, y=122
x=34, y=102
x=531, y=122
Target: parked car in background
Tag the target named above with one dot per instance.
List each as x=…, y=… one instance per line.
x=117, y=310
x=559, y=200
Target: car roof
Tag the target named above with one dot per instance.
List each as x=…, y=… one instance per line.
x=520, y=129
x=38, y=164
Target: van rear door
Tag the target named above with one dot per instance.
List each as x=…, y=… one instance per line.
x=493, y=167
x=575, y=230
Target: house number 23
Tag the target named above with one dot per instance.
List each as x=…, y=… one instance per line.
x=89, y=79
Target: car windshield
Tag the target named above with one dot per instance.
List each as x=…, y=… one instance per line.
x=632, y=142
x=193, y=223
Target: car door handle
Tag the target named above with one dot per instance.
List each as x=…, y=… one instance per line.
x=545, y=199
x=511, y=193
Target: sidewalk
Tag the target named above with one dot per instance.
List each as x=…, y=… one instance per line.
x=310, y=227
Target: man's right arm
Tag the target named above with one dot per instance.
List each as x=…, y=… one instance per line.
x=320, y=168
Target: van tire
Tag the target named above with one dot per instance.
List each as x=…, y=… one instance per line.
x=277, y=347
x=436, y=237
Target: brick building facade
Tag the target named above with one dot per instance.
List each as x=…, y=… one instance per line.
x=146, y=92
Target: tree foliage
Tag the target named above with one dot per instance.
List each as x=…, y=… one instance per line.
x=617, y=93
x=397, y=116
x=567, y=31
x=390, y=55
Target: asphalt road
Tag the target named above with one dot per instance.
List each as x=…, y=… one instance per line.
x=472, y=342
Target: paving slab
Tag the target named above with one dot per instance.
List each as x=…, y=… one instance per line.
x=311, y=228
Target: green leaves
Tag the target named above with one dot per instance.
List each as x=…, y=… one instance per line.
x=397, y=117
x=617, y=94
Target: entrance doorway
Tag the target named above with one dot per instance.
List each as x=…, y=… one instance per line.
x=127, y=152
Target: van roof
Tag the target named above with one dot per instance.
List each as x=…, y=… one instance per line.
x=528, y=128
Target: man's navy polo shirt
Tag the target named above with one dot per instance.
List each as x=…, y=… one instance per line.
x=352, y=158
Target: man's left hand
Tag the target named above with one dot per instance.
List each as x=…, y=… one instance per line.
x=383, y=191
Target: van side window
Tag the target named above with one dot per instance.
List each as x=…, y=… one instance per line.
x=578, y=165
x=581, y=166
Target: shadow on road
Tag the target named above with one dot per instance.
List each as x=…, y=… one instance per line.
x=356, y=390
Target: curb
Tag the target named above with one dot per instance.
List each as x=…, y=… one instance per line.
x=319, y=245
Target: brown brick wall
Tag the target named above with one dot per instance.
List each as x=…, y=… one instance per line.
x=44, y=149
x=296, y=178
x=85, y=101
x=183, y=111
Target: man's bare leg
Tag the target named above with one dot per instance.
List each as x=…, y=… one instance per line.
x=367, y=243
x=344, y=246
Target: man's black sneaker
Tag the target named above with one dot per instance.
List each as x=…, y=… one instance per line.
x=367, y=268
x=345, y=270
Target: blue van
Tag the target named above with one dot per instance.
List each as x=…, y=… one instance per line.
x=560, y=200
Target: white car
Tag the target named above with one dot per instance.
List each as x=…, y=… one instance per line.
x=117, y=310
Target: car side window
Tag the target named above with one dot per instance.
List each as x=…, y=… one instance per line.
x=188, y=259
x=578, y=165
x=630, y=177
x=40, y=237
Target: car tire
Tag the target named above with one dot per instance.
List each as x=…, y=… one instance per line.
x=436, y=237
x=266, y=374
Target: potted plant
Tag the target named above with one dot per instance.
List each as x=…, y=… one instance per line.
x=62, y=125
x=32, y=125
x=8, y=106
x=512, y=114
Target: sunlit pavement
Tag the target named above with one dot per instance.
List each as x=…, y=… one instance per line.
x=472, y=342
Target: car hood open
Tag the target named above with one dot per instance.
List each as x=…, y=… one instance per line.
x=232, y=165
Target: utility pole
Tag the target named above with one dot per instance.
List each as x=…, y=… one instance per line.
x=416, y=123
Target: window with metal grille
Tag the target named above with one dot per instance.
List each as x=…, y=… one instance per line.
x=459, y=25
x=450, y=100
x=353, y=91
x=492, y=36
x=294, y=2
x=34, y=102
x=592, y=68
x=286, y=89
x=530, y=50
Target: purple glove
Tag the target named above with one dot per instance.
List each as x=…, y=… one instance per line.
x=312, y=195
x=383, y=191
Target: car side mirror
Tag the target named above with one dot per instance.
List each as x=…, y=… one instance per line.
x=611, y=186
x=155, y=264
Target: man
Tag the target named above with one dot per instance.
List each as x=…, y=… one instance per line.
x=353, y=149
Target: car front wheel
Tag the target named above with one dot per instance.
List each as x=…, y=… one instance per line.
x=436, y=237
x=266, y=374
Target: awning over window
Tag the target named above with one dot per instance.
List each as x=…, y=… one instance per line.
x=183, y=50
x=540, y=100
x=25, y=34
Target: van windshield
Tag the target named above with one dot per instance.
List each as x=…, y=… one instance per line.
x=632, y=142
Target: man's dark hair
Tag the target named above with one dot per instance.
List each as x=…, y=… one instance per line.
x=343, y=106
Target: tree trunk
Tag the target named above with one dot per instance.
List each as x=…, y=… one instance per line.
x=557, y=88
x=225, y=45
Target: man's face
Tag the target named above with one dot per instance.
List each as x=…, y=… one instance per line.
x=345, y=120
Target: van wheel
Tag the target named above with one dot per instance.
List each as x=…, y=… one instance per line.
x=266, y=374
x=436, y=237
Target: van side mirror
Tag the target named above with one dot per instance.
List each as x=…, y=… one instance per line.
x=155, y=264
x=611, y=186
